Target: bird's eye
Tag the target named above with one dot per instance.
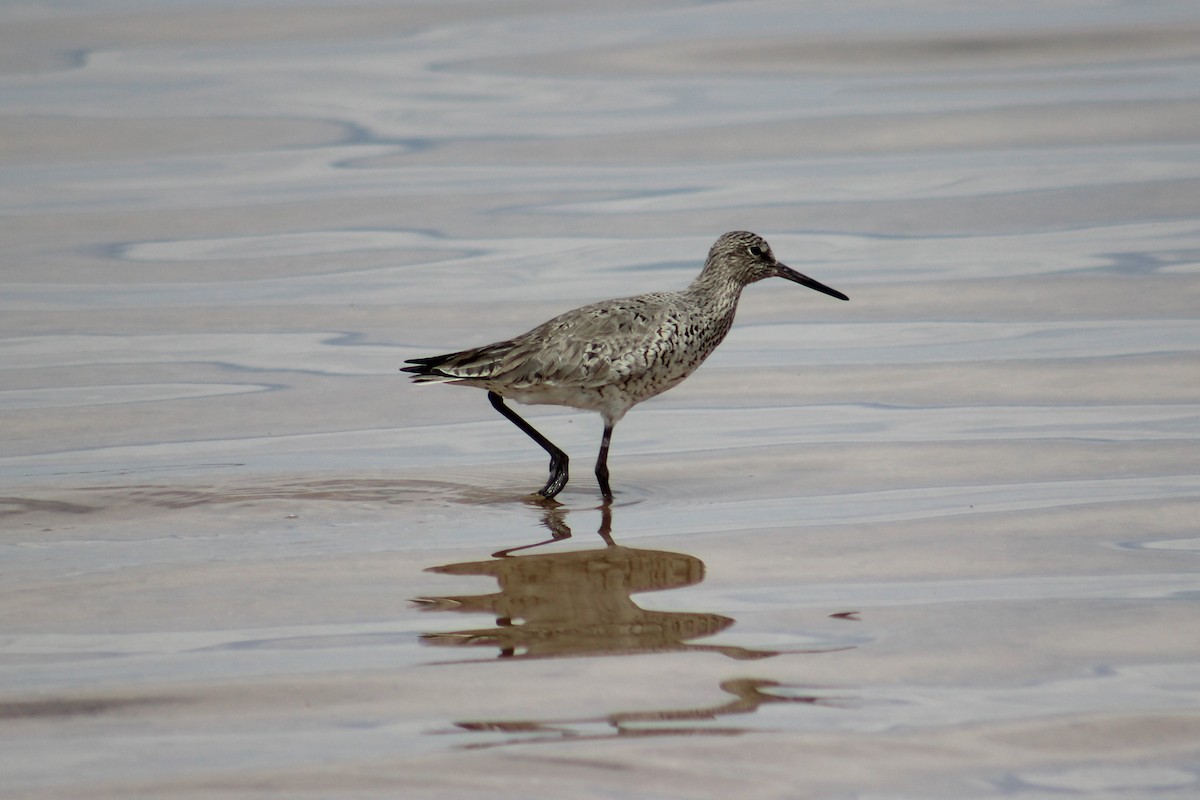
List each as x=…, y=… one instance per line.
x=755, y=250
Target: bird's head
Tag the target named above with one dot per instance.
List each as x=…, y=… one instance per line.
x=747, y=258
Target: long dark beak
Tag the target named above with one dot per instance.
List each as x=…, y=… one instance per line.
x=804, y=280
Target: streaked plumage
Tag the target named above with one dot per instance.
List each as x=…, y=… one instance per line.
x=609, y=356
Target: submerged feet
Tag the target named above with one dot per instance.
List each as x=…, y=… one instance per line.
x=558, y=474
x=602, y=463
x=558, y=459
x=602, y=479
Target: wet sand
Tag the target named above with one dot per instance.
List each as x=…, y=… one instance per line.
x=936, y=542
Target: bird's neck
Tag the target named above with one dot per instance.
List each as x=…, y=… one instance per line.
x=716, y=294
x=716, y=285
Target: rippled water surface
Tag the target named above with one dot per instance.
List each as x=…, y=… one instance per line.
x=937, y=542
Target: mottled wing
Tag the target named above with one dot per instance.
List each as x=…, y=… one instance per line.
x=591, y=347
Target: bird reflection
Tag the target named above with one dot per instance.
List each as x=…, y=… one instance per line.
x=557, y=604
x=578, y=603
x=749, y=694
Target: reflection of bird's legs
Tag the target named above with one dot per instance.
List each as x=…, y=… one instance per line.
x=555, y=520
x=605, y=530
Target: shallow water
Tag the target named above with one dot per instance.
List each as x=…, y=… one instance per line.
x=939, y=541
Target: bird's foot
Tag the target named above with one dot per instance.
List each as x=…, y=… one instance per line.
x=602, y=479
x=558, y=478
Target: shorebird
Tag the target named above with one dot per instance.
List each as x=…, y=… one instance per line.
x=609, y=356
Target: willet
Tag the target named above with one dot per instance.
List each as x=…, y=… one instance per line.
x=609, y=356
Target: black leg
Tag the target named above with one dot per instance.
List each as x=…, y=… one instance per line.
x=602, y=464
x=558, y=459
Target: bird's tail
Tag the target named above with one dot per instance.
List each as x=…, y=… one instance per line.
x=426, y=369
x=477, y=364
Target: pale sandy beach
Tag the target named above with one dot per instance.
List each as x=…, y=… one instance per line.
x=937, y=542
